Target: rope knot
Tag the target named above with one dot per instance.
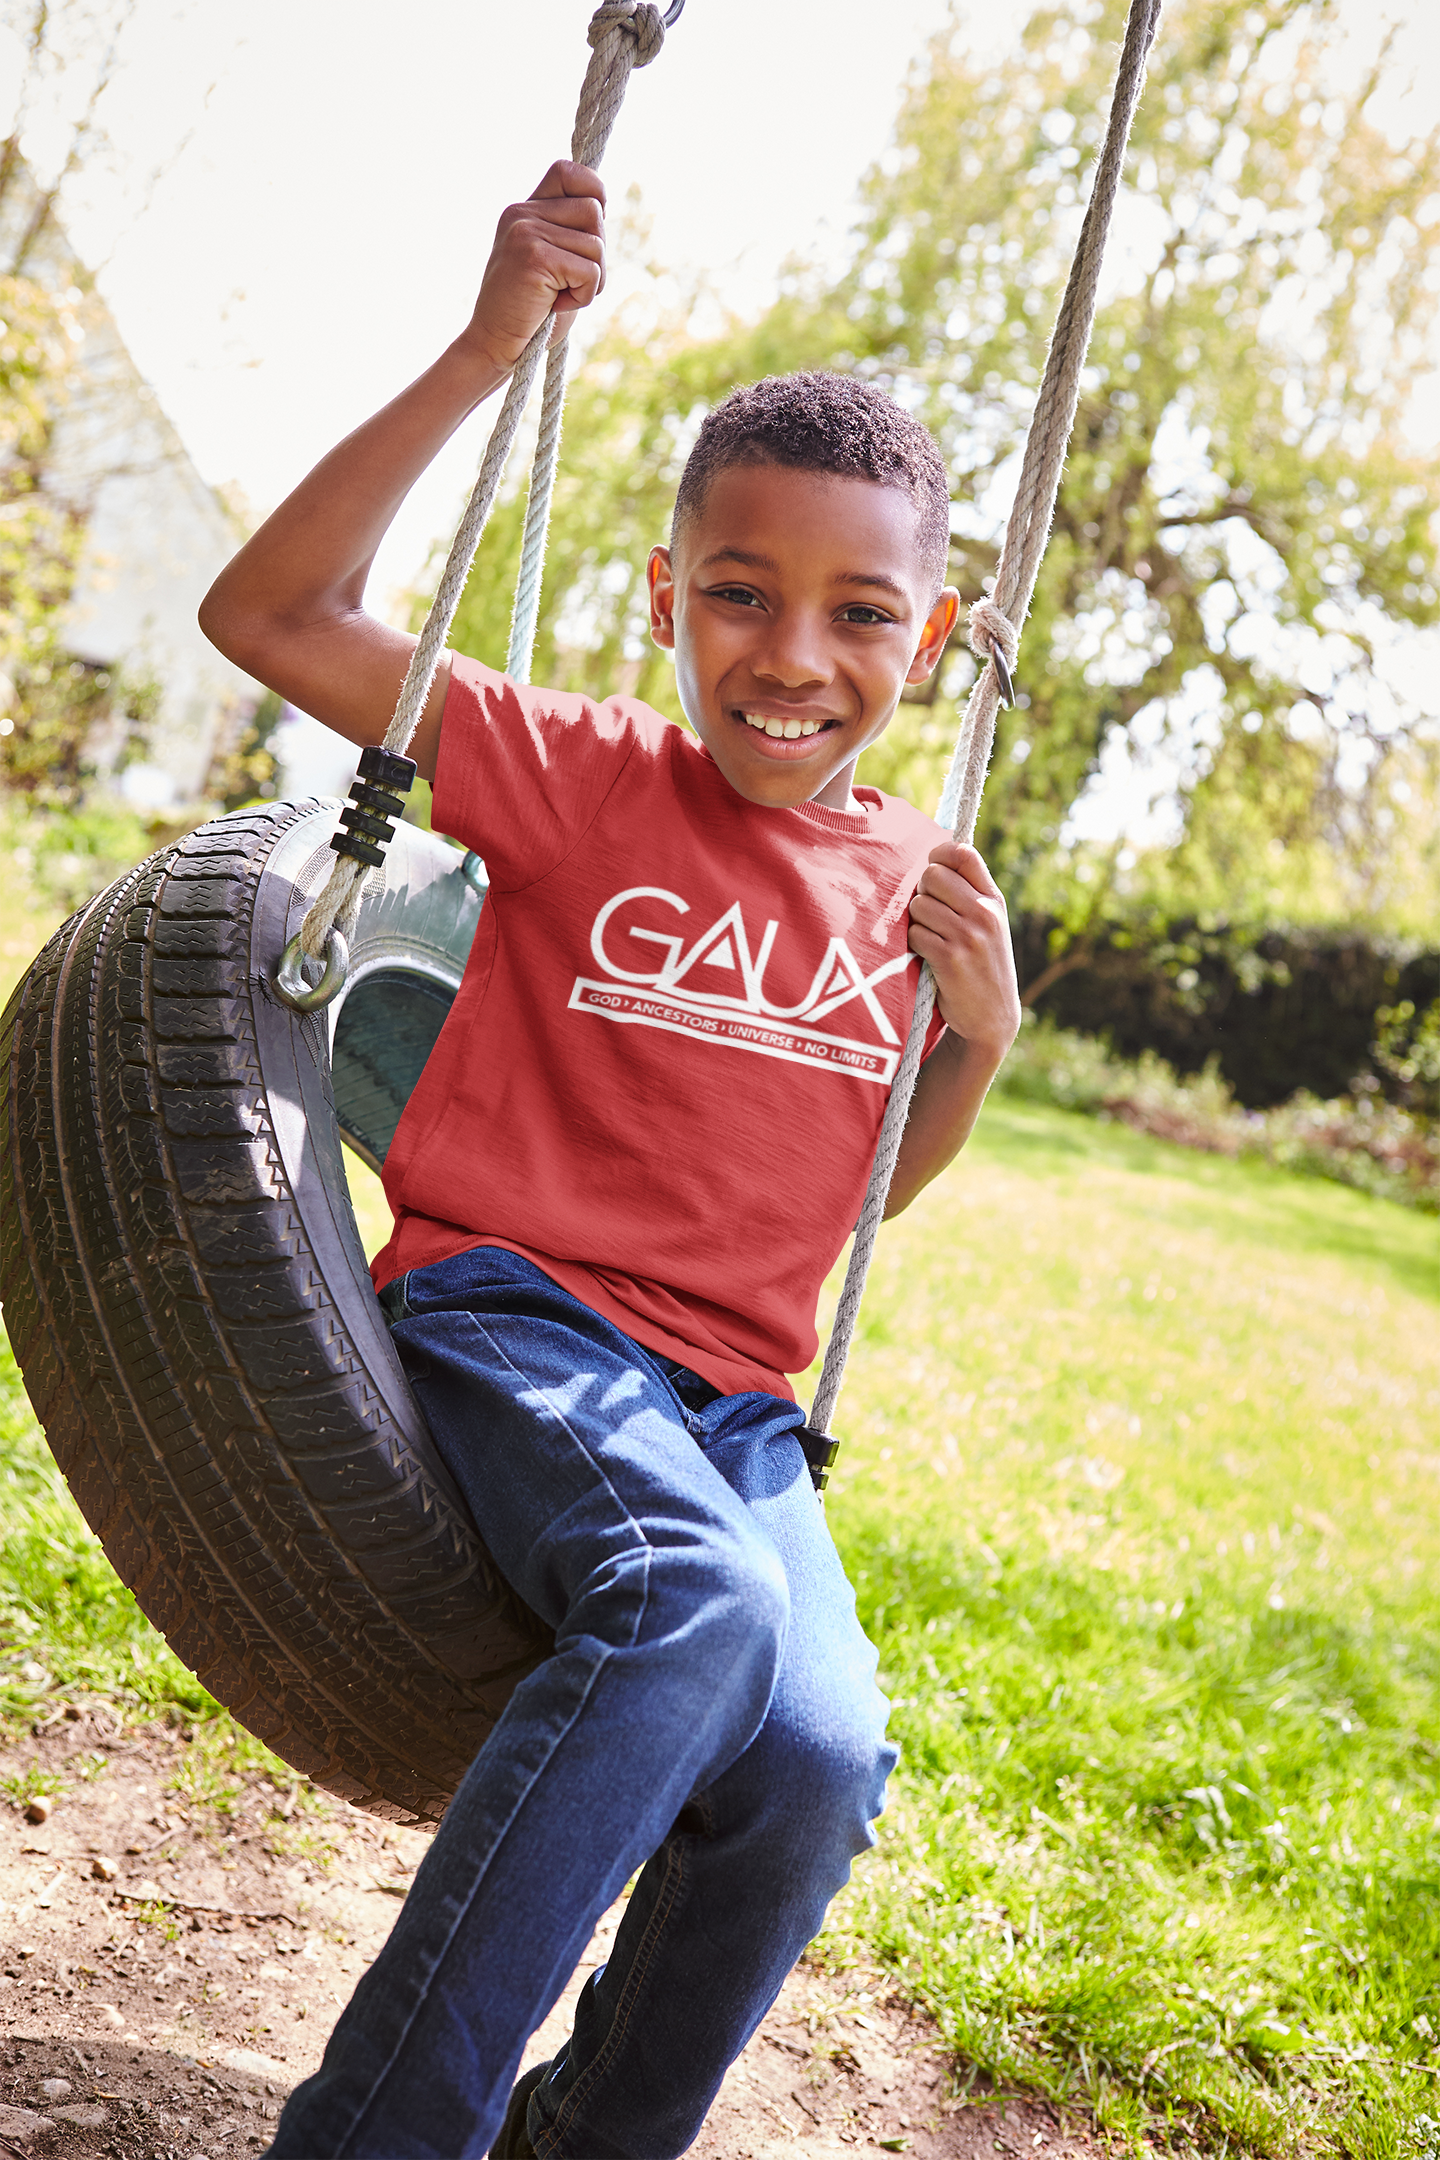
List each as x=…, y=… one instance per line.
x=990, y=630
x=639, y=19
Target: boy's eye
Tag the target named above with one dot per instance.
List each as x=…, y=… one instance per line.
x=862, y=612
x=741, y=594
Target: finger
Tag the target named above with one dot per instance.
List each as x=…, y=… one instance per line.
x=549, y=247
x=956, y=891
x=574, y=267
x=582, y=280
x=566, y=224
x=974, y=930
x=928, y=945
x=969, y=863
x=930, y=914
x=578, y=213
x=565, y=177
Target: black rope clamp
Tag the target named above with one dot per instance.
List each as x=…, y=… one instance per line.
x=819, y=1451
x=378, y=795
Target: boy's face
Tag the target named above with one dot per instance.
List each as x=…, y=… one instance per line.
x=797, y=608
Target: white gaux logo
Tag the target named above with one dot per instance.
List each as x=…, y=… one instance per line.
x=736, y=1013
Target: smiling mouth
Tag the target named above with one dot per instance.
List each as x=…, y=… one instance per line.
x=778, y=730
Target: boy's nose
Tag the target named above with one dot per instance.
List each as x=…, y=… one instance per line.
x=792, y=655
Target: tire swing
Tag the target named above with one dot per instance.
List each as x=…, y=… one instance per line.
x=182, y=1277
x=187, y=1296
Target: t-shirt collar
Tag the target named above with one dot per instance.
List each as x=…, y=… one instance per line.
x=852, y=821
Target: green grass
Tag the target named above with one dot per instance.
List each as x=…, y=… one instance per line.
x=69, y=1628
x=1141, y=1455
x=1138, y=1488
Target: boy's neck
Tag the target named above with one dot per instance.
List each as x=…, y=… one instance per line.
x=838, y=792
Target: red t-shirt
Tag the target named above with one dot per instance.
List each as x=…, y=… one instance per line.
x=663, y=1077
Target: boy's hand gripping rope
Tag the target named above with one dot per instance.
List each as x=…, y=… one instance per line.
x=623, y=35
x=995, y=635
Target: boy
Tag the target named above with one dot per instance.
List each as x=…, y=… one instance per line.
x=641, y=1141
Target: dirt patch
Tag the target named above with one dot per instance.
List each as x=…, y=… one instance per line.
x=843, y=2064
x=169, y=1969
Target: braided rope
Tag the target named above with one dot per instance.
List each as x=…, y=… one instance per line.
x=623, y=35
x=646, y=34
x=996, y=624
x=526, y=611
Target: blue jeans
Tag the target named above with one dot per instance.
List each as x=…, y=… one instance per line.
x=710, y=1716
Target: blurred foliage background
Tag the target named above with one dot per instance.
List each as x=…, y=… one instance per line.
x=1245, y=546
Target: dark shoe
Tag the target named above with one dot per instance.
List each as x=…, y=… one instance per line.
x=513, y=2142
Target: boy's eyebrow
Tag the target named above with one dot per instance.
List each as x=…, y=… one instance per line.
x=872, y=577
x=767, y=562
x=740, y=555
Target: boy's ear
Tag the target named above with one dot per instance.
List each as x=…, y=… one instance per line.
x=660, y=576
x=938, y=625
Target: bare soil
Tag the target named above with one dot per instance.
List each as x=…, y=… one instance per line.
x=170, y=1969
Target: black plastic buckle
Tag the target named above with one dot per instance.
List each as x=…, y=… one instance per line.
x=377, y=796
x=387, y=767
x=819, y=1451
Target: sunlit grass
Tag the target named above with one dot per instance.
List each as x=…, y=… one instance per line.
x=66, y=1622
x=1138, y=1488
x=70, y=1628
x=25, y=924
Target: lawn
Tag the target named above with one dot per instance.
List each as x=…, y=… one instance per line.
x=1141, y=1456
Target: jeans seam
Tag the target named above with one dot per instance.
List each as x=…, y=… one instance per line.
x=634, y=1981
x=687, y=1416
x=480, y=1874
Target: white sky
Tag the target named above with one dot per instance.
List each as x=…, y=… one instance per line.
x=323, y=232
x=332, y=175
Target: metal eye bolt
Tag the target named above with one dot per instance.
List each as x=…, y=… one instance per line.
x=294, y=984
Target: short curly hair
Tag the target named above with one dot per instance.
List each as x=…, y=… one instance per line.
x=823, y=423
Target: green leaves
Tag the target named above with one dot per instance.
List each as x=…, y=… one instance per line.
x=1408, y=1048
x=1235, y=491
x=1240, y=531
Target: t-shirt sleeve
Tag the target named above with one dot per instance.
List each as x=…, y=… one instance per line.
x=523, y=772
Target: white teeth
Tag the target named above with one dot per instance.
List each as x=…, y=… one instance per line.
x=789, y=729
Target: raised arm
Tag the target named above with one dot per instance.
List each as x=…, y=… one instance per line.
x=290, y=608
x=958, y=924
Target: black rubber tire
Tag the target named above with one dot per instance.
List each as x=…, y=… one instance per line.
x=187, y=1297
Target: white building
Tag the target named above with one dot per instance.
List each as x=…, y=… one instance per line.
x=156, y=534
